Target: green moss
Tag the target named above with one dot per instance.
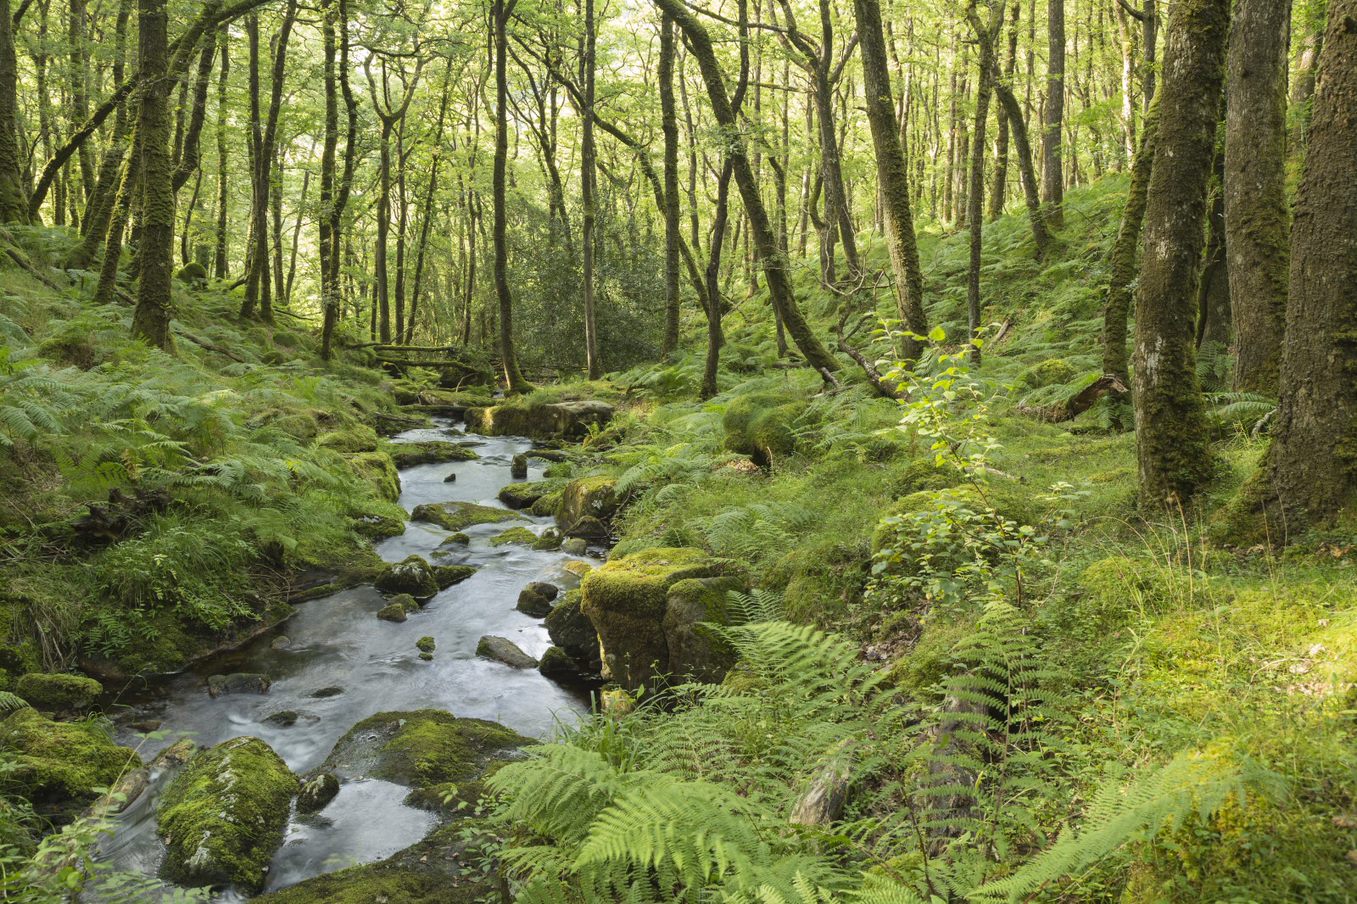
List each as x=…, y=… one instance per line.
x=594, y=496
x=426, y=644
x=458, y=516
x=1048, y=373
x=407, y=455
x=59, y=766
x=762, y=426
x=411, y=575
x=357, y=438
x=447, y=575
x=547, y=504
x=378, y=469
x=431, y=747
x=638, y=583
x=223, y=816
x=365, y=885
x=61, y=692
x=524, y=494
x=520, y=536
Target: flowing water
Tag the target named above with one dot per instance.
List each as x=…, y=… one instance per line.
x=341, y=664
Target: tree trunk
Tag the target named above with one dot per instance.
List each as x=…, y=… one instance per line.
x=999, y=196
x=892, y=172
x=155, y=251
x=774, y=260
x=513, y=377
x=1121, y=262
x=1213, y=294
x=986, y=67
x=1312, y=463
x=221, y=263
x=1053, y=120
x=1172, y=451
x=426, y=219
x=669, y=126
x=328, y=239
x=13, y=198
x=1255, y=188
x=593, y=365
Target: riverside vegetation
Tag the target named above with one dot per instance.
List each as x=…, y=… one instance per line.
x=976, y=524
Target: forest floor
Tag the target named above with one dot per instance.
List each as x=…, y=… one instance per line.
x=896, y=525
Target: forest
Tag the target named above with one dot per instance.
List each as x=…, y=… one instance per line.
x=748, y=451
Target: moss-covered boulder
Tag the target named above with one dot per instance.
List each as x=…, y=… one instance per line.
x=549, y=420
x=412, y=575
x=223, y=816
x=523, y=495
x=762, y=426
x=571, y=631
x=458, y=516
x=193, y=275
x=696, y=653
x=627, y=600
x=358, y=438
x=316, y=792
x=546, y=505
x=378, y=469
x=59, y=767
x=407, y=455
x=59, y=692
x=593, y=497
x=557, y=665
x=517, y=536
x=504, y=650
x=447, y=575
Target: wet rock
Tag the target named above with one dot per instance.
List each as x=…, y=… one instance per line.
x=281, y=642
x=518, y=536
x=563, y=420
x=587, y=497
x=558, y=666
x=408, y=455
x=626, y=600
x=426, y=644
x=457, y=539
x=547, y=503
x=378, y=469
x=505, y=651
x=447, y=575
x=324, y=693
x=238, y=683
x=457, y=516
x=572, y=631
x=550, y=591
x=588, y=528
x=412, y=575
x=518, y=467
x=283, y=719
x=223, y=816
x=575, y=546
x=451, y=478
x=426, y=657
x=523, y=495
x=532, y=603
x=549, y=539
x=59, y=692
x=578, y=567
x=394, y=612
x=316, y=792
x=146, y=726
x=61, y=766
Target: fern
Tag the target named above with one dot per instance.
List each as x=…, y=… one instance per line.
x=9, y=702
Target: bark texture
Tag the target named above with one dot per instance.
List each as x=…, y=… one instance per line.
x=1122, y=260
x=155, y=252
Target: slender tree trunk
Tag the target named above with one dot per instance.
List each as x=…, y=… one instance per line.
x=892, y=172
x=1213, y=293
x=987, y=65
x=426, y=218
x=1121, y=262
x=328, y=239
x=1172, y=451
x=221, y=263
x=1255, y=188
x=588, y=153
x=155, y=252
x=1312, y=464
x=79, y=105
x=999, y=196
x=669, y=127
x=383, y=234
x=99, y=209
x=106, y=290
x=1053, y=122
x=513, y=377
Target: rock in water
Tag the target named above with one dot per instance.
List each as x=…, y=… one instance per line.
x=317, y=791
x=518, y=468
x=501, y=649
x=412, y=575
x=587, y=497
x=532, y=603
x=61, y=766
x=223, y=816
x=573, y=633
x=238, y=683
x=394, y=612
x=426, y=644
x=60, y=693
x=575, y=546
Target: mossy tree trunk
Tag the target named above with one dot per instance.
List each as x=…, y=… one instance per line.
x=986, y=68
x=588, y=178
x=1313, y=459
x=892, y=171
x=514, y=380
x=221, y=263
x=773, y=258
x=1053, y=119
x=155, y=252
x=1255, y=188
x=672, y=234
x=1172, y=452
x=13, y=198
x=1121, y=263
x=328, y=239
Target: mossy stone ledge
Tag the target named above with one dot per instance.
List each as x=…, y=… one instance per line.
x=224, y=815
x=587, y=497
x=548, y=420
x=458, y=516
x=59, y=692
x=407, y=455
x=60, y=766
x=412, y=575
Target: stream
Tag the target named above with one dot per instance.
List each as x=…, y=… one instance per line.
x=341, y=664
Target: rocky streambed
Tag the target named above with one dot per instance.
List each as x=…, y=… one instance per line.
x=347, y=734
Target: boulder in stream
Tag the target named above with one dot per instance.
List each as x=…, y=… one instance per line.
x=501, y=649
x=447, y=575
x=517, y=536
x=62, y=693
x=61, y=766
x=575, y=546
x=317, y=791
x=393, y=612
x=523, y=495
x=587, y=497
x=588, y=528
x=550, y=420
x=518, y=467
x=238, y=683
x=223, y=816
x=458, y=516
x=407, y=455
x=412, y=575
x=574, y=634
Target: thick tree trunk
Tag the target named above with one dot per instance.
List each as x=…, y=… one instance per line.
x=892, y=170
x=513, y=377
x=1213, y=294
x=1053, y=120
x=1121, y=262
x=155, y=252
x=1312, y=464
x=672, y=235
x=1174, y=459
x=13, y=198
x=774, y=259
x=1255, y=188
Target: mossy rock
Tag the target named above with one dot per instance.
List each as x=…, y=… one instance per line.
x=1050, y=372
x=458, y=516
x=503, y=650
x=59, y=767
x=412, y=575
x=518, y=536
x=695, y=652
x=587, y=497
x=378, y=469
x=522, y=495
x=192, y=274
x=550, y=420
x=358, y=438
x=223, y=816
x=59, y=692
x=626, y=600
x=448, y=575
x=546, y=505
x=549, y=539
x=571, y=631
x=761, y=426
x=407, y=455
x=426, y=644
